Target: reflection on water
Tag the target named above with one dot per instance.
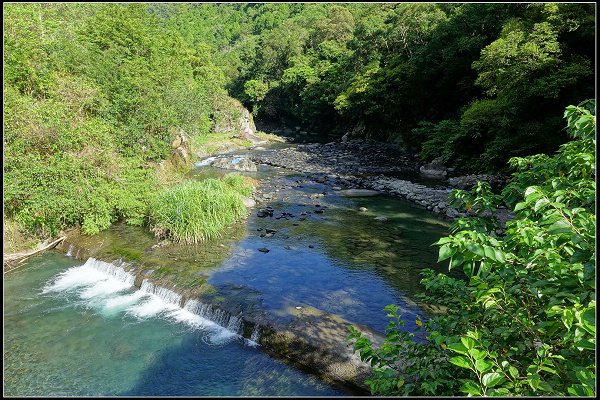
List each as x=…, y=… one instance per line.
x=341, y=260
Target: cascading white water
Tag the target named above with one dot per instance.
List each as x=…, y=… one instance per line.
x=255, y=337
x=166, y=295
x=109, y=288
x=220, y=317
x=70, y=251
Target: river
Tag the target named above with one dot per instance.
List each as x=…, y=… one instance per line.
x=73, y=329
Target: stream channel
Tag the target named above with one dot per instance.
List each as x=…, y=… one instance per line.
x=116, y=314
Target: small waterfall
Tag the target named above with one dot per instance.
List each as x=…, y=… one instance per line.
x=216, y=315
x=255, y=337
x=168, y=296
x=93, y=281
x=108, y=288
x=70, y=251
x=111, y=269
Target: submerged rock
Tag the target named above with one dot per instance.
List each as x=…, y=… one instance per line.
x=264, y=250
x=358, y=192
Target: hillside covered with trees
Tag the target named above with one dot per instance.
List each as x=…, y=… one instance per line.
x=105, y=106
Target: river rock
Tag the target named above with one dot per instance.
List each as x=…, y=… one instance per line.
x=263, y=250
x=380, y=218
x=238, y=163
x=435, y=169
x=248, y=202
x=362, y=209
x=262, y=213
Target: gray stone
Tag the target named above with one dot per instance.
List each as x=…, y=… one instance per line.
x=380, y=218
x=238, y=163
x=452, y=213
x=248, y=202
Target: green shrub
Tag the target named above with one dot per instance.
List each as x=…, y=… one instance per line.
x=523, y=322
x=193, y=211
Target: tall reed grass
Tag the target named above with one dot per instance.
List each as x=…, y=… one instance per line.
x=193, y=211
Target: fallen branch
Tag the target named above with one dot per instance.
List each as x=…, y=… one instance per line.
x=14, y=260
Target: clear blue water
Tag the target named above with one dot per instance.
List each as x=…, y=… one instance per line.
x=341, y=261
x=69, y=332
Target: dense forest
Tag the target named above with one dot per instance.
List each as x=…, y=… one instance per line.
x=473, y=84
x=96, y=94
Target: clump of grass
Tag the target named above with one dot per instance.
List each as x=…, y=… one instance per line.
x=193, y=211
x=240, y=183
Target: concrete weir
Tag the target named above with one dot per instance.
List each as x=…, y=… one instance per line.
x=308, y=338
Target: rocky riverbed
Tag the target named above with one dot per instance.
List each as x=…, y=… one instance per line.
x=377, y=166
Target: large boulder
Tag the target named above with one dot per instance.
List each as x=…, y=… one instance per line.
x=233, y=117
x=238, y=163
x=434, y=169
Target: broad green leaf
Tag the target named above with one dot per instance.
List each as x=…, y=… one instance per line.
x=585, y=345
x=446, y=252
x=588, y=320
x=560, y=226
x=491, y=379
x=470, y=387
x=468, y=342
x=489, y=252
x=483, y=365
x=540, y=204
x=458, y=348
x=461, y=361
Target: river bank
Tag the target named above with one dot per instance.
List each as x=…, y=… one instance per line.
x=354, y=164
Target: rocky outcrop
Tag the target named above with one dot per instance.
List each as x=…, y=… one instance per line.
x=434, y=169
x=354, y=164
x=236, y=162
x=232, y=117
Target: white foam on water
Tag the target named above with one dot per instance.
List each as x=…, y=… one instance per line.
x=104, y=288
x=205, y=162
x=123, y=301
x=70, y=251
x=254, y=337
x=75, y=278
x=151, y=307
x=115, y=305
x=101, y=285
x=168, y=296
x=220, y=337
x=191, y=319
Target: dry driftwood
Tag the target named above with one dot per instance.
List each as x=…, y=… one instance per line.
x=14, y=260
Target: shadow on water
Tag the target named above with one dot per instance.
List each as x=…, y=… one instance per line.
x=195, y=368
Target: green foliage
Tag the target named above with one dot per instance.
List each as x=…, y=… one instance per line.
x=93, y=94
x=193, y=211
x=522, y=323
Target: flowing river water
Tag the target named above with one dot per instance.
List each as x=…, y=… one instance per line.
x=78, y=327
